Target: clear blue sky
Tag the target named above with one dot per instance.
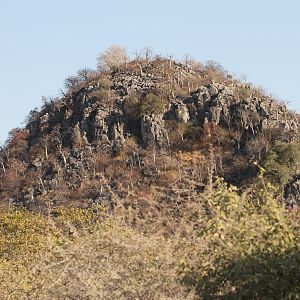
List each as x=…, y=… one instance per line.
x=44, y=41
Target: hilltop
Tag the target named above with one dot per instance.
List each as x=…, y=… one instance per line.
x=149, y=122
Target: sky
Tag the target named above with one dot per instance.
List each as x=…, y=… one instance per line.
x=44, y=41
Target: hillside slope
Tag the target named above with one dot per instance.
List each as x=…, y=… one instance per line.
x=147, y=123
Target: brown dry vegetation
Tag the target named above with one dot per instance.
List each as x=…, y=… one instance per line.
x=109, y=220
x=86, y=256
x=199, y=252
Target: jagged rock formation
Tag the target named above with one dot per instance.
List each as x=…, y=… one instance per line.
x=179, y=111
x=223, y=105
x=152, y=130
x=230, y=105
x=94, y=120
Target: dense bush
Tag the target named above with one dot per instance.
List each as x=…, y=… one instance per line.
x=95, y=260
x=136, y=108
x=236, y=247
x=151, y=104
x=282, y=161
x=22, y=233
x=248, y=249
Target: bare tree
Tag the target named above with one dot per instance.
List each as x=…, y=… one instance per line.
x=196, y=65
x=85, y=74
x=214, y=65
x=45, y=100
x=137, y=55
x=45, y=142
x=170, y=57
x=186, y=60
x=72, y=83
x=112, y=58
x=148, y=53
x=57, y=139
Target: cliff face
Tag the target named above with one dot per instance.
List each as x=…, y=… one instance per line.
x=140, y=119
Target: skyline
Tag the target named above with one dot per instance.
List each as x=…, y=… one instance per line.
x=43, y=43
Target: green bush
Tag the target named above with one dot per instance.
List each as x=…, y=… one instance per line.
x=132, y=105
x=151, y=104
x=243, y=93
x=247, y=249
x=282, y=161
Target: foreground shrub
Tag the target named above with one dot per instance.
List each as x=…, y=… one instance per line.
x=22, y=233
x=249, y=249
x=229, y=246
x=107, y=261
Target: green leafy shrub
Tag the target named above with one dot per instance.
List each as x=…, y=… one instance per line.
x=132, y=106
x=247, y=249
x=282, y=161
x=243, y=93
x=137, y=108
x=151, y=104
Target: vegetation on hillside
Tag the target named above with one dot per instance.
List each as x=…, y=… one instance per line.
x=244, y=247
x=152, y=179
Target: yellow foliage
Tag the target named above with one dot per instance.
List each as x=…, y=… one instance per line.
x=22, y=233
x=113, y=261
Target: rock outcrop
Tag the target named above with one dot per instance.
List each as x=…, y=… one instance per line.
x=79, y=130
x=86, y=117
x=224, y=106
x=153, y=130
x=179, y=111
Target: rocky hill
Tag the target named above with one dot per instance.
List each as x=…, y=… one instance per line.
x=144, y=125
x=152, y=179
